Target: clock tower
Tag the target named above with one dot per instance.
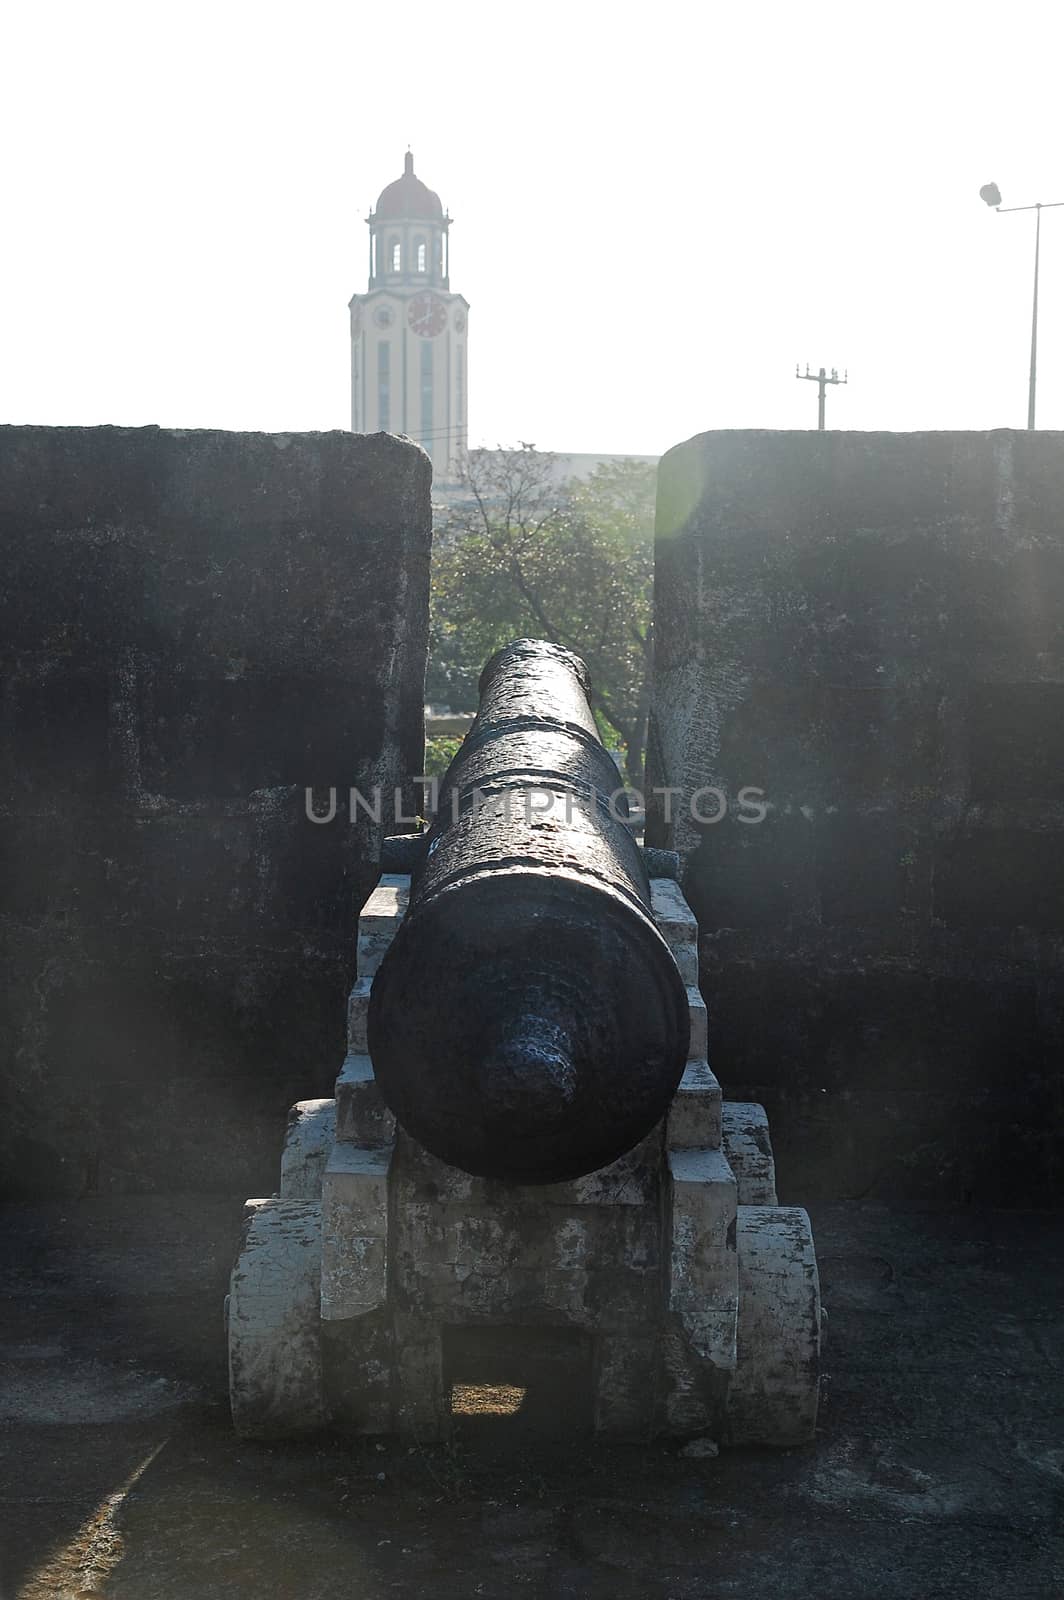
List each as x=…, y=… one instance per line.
x=409, y=371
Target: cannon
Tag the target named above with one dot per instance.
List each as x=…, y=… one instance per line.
x=529, y=1021
x=527, y=1177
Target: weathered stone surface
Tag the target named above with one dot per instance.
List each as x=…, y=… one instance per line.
x=672, y=913
x=866, y=628
x=703, y=1284
x=594, y=1266
x=308, y=1144
x=687, y=961
x=774, y=1395
x=697, y=1049
x=747, y=1144
x=694, y=1120
x=380, y=917
x=698, y=1340
x=273, y=1321
x=195, y=626
x=358, y=1360
x=354, y=1244
x=361, y=1115
x=678, y=925
x=357, y=1014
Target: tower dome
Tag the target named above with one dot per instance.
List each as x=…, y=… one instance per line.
x=409, y=198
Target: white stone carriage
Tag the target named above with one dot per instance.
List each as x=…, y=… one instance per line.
x=690, y=1295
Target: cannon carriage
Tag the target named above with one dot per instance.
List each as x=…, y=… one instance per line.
x=527, y=1173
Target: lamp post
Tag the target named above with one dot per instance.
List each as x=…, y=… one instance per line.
x=992, y=195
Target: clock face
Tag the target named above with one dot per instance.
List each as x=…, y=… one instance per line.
x=427, y=315
x=384, y=316
x=459, y=322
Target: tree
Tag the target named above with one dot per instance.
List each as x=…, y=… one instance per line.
x=572, y=563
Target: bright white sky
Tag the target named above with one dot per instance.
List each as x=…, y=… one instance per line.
x=659, y=209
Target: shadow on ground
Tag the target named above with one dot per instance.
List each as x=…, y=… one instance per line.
x=938, y=1469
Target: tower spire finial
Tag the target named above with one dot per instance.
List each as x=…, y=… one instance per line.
x=408, y=163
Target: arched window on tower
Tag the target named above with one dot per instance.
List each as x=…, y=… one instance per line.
x=397, y=256
x=422, y=256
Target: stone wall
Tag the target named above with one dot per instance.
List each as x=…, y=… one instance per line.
x=194, y=626
x=870, y=629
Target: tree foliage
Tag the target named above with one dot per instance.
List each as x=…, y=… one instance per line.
x=573, y=564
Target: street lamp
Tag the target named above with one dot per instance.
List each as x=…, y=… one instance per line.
x=992, y=195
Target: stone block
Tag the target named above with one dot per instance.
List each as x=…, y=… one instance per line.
x=694, y=1118
x=361, y=1114
x=273, y=1331
x=774, y=1394
x=672, y=913
x=687, y=960
x=703, y=1283
x=354, y=1245
x=511, y=1253
x=866, y=628
x=194, y=626
x=678, y=926
x=358, y=1017
x=358, y=1357
x=748, y=1147
x=308, y=1144
x=381, y=916
x=692, y=1385
x=698, y=1048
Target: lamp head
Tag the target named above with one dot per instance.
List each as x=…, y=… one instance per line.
x=991, y=194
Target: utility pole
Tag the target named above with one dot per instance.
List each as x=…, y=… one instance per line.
x=822, y=379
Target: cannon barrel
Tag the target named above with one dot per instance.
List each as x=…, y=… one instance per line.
x=529, y=1022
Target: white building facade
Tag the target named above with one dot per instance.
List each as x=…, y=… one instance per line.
x=409, y=333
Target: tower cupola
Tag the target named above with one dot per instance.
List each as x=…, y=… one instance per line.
x=408, y=231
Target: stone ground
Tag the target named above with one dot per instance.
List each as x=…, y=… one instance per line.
x=938, y=1468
